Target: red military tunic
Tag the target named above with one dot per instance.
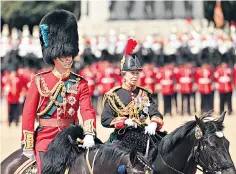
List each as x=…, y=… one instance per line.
x=184, y=79
x=165, y=76
x=107, y=80
x=223, y=75
x=90, y=77
x=234, y=74
x=13, y=88
x=203, y=78
x=76, y=95
x=149, y=79
x=26, y=76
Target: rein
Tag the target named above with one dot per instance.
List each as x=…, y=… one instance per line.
x=88, y=163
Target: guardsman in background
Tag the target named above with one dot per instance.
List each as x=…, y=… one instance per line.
x=165, y=76
x=107, y=80
x=185, y=81
x=223, y=80
x=13, y=90
x=129, y=104
x=56, y=95
x=204, y=80
x=88, y=74
x=234, y=74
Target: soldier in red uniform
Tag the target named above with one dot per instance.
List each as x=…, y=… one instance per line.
x=165, y=76
x=223, y=79
x=89, y=75
x=55, y=96
x=184, y=79
x=13, y=88
x=234, y=74
x=204, y=80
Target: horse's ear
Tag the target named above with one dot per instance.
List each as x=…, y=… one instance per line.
x=153, y=155
x=222, y=117
x=133, y=155
x=199, y=122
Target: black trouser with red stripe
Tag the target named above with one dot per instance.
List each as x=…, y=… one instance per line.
x=167, y=104
x=226, y=98
x=207, y=103
x=185, y=97
x=14, y=113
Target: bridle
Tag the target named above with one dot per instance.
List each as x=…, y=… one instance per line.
x=199, y=149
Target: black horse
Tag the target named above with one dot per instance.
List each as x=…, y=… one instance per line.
x=65, y=154
x=200, y=142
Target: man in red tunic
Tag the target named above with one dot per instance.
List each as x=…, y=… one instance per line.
x=13, y=89
x=184, y=77
x=224, y=84
x=55, y=96
x=204, y=80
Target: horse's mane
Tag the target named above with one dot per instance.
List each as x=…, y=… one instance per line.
x=61, y=153
x=174, y=138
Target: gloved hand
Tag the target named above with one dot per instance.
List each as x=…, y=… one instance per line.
x=151, y=128
x=130, y=123
x=88, y=141
x=29, y=154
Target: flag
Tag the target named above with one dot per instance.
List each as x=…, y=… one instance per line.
x=218, y=15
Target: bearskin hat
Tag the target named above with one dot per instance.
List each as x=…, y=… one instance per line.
x=58, y=35
x=130, y=62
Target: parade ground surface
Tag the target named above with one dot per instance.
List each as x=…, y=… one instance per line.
x=10, y=136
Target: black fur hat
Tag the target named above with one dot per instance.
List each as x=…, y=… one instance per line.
x=59, y=35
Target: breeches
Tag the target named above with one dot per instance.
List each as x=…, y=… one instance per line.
x=39, y=159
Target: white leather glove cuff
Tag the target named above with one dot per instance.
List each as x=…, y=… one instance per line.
x=129, y=122
x=29, y=154
x=88, y=141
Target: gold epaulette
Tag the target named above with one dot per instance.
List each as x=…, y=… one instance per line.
x=146, y=89
x=38, y=80
x=113, y=89
x=79, y=77
x=109, y=93
x=44, y=72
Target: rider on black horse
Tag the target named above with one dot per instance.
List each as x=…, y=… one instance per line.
x=130, y=106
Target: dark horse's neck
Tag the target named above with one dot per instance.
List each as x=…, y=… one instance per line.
x=176, y=150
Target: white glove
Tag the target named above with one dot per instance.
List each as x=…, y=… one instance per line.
x=151, y=128
x=88, y=141
x=129, y=122
x=29, y=154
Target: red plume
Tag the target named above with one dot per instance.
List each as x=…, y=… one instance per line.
x=131, y=44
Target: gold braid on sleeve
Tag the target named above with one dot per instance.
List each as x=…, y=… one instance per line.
x=88, y=127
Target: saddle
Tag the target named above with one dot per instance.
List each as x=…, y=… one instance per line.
x=135, y=138
x=22, y=165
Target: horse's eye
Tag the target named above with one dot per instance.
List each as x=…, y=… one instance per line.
x=213, y=147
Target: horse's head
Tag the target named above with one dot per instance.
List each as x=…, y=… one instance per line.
x=137, y=164
x=211, y=151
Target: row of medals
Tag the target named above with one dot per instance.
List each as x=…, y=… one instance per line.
x=61, y=107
